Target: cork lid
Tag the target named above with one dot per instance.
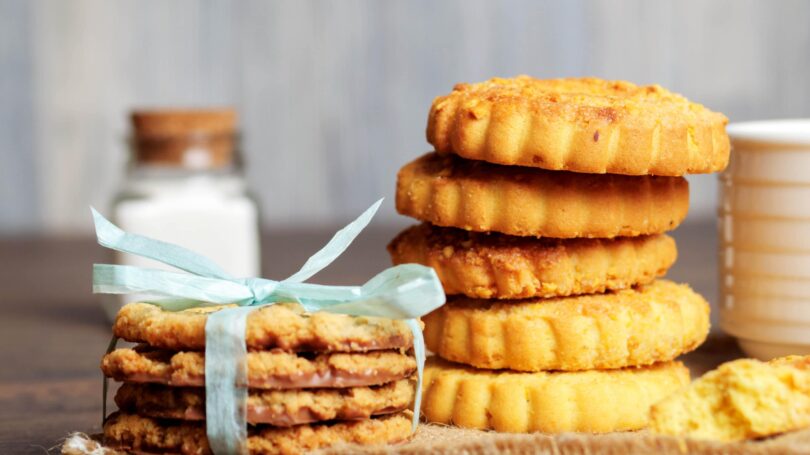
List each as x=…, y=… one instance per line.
x=194, y=138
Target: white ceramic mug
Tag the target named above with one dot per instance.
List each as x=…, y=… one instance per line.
x=765, y=238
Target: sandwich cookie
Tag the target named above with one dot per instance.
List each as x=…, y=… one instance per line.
x=280, y=326
x=266, y=369
x=281, y=408
x=134, y=433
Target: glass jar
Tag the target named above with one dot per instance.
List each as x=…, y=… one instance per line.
x=184, y=184
x=765, y=238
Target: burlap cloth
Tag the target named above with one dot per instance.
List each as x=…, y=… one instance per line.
x=440, y=439
x=436, y=439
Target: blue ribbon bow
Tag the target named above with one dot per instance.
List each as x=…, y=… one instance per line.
x=403, y=292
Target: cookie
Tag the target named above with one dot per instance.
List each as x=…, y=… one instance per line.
x=281, y=408
x=266, y=369
x=585, y=401
x=283, y=326
x=581, y=125
x=656, y=322
x=496, y=266
x=476, y=196
x=134, y=433
x=742, y=399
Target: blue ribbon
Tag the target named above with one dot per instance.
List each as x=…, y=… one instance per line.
x=404, y=292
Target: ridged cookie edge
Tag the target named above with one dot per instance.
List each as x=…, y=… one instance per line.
x=552, y=402
x=634, y=327
x=642, y=131
x=449, y=191
x=494, y=266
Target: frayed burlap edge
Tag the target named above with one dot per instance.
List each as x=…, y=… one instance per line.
x=84, y=444
x=438, y=439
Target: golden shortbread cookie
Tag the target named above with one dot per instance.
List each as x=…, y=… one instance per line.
x=741, y=399
x=284, y=326
x=281, y=408
x=266, y=369
x=145, y=435
x=582, y=125
x=634, y=327
x=497, y=266
x=449, y=191
x=585, y=401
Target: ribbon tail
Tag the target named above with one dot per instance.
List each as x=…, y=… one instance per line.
x=403, y=292
x=106, y=383
x=226, y=380
x=419, y=353
x=336, y=246
x=113, y=237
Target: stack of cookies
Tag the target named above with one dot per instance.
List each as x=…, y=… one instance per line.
x=545, y=206
x=315, y=380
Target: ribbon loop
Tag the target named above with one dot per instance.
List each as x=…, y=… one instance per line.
x=336, y=246
x=393, y=293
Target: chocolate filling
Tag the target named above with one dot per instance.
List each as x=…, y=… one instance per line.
x=264, y=414
x=329, y=379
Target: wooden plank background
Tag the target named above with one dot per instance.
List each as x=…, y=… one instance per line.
x=334, y=94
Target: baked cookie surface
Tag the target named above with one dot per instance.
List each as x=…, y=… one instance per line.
x=553, y=402
x=633, y=327
x=281, y=408
x=583, y=125
x=145, y=435
x=742, y=399
x=496, y=266
x=266, y=369
x=476, y=196
x=284, y=326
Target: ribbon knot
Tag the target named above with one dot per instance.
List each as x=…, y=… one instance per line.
x=263, y=290
x=403, y=292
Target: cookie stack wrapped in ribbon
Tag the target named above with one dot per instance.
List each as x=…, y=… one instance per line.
x=251, y=365
x=544, y=208
x=314, y=380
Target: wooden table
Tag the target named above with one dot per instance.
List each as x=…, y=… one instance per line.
x=53, y=332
